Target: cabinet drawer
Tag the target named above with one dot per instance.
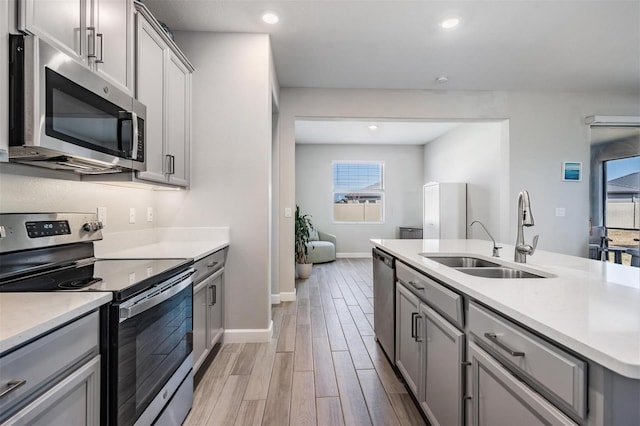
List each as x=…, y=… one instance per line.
x=44, y=361
x=209, y=264
x=555, y=373
x=440, y=298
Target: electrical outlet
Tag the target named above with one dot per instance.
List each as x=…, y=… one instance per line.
x=102, y=215
x=287, y=212
x=560, y=211
x=132, y=215
x=149, y=214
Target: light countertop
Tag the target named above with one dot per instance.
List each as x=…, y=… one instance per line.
x=591, y=307
x=196, y=243
x=24, y=316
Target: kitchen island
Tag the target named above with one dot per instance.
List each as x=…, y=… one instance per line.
x=587, y=308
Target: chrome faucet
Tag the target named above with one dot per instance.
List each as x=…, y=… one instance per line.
x=525, y=218
x=496, y=253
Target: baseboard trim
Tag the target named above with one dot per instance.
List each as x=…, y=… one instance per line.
x=288, y=296
x=258, y=335
x=353, y=255
x=275, y=299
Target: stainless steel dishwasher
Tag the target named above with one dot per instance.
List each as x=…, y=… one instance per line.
x=384, y=303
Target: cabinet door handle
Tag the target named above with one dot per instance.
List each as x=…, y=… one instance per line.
x=213, y=290
x=413, y=325
x=494, y=338
x=167, y=163
x=418, y=338
x=91, y=42
x=101, y=60
x=415, y=285
x=468, y=397
x=11, y=386
x=173, y=165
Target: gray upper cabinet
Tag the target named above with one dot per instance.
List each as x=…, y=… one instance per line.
x=96, y=33
x=164, y=86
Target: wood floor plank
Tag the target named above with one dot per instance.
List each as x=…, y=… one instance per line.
x=277, y=407
x=303, y=354
x=226, y=409
x=334, y=331
x=361, y=322
x=334, y=287
x=250, y=413
x=245, y=360
x=406, y=409
x=354, y=407
x=318, y=326
x=347, y=295
x=370, y=319
x=325, y=378
x=327, y=299
x=210, y=387
x=303, y=399
x=389, y=379
x=303, y=315
x=380, y=408
x=329, y=412
x=258, y=386
x=343, y=311
x=290, y=308
x=277, y=314
x=363, y=302
x=287, y=338
x=357, y=349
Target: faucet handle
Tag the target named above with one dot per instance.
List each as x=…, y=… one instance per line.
x=534, y=245
x=496, y=251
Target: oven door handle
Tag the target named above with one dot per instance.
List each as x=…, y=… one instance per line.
x=140, y=307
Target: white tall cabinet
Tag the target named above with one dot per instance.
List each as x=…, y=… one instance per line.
x=4, y=81
x=444, y=210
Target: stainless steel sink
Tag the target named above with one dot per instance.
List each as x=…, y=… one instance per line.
x=462, y=261
x=500, y=272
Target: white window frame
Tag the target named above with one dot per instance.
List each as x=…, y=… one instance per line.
x=380, y=192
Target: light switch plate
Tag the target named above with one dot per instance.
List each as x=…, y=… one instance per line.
x=287, y=212
x=560, y=211
x=149, y=214
x=132, y=215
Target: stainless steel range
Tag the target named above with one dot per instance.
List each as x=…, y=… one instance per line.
x=147, y=338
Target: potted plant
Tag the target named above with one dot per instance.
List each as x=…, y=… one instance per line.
x=303, y=225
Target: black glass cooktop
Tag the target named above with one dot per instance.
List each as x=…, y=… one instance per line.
x=123, y=277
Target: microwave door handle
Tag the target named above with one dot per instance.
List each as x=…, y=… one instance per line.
x=133, y=117
x=134, y=136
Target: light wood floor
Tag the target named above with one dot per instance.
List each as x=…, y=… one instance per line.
x=322, y=367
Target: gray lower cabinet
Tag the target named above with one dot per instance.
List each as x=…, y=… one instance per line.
x=499, y=398
x=443, y=357
x=408, y=343
x=55, y=379
x=208, y=316
x=430, y=356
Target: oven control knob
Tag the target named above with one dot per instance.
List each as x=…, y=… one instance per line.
x=90, y=226
x=99, y=225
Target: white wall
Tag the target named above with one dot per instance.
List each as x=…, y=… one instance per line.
x=472, y=153
x=403, y=173
x=25, y=189
x=231, y=163
x=544, y=130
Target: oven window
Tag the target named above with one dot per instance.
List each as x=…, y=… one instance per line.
x=79, y=116
x=149, y=349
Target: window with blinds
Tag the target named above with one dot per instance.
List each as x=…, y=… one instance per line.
x=358, y=191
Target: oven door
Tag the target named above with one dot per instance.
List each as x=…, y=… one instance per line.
x=150, y=339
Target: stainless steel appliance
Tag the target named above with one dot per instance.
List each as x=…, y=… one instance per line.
x=384, y=301
x=147, y=342
x=64, y=116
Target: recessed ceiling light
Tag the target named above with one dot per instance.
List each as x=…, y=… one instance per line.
x=373, y=127
x=442, y=79
x=449, y=23
x=270, y=18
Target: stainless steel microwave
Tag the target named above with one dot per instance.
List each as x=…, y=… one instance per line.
x=64, y=116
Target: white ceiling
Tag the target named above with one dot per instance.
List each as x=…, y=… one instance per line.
x=358, y=132
x=581, y=45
